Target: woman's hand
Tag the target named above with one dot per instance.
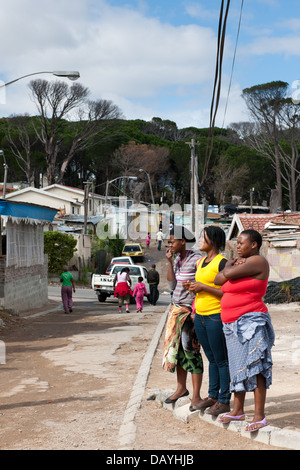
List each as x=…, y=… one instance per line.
x=186, y=285
x=169, y=255
x=196, y=287
x=239, y=260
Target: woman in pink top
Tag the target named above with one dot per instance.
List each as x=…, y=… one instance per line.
x=138, y=292
x=247, y=327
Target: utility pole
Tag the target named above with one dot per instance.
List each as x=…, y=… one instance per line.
x=194, y=197
x=86, y=205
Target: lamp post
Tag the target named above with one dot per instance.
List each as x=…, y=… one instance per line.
x=150, y=185
x=134, y=178
x=70, y=75
x=74, y=75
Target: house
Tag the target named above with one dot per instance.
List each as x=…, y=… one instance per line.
x=23, y=264
x=281, y=241
x=41, y=197
x=95, y=203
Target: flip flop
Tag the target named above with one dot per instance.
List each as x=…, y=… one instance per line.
x=231, y=418
x=263, y=423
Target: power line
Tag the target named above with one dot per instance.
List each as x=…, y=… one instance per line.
x=217, y=83
x=233, y=60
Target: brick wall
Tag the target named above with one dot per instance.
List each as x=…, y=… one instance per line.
x=23, y=288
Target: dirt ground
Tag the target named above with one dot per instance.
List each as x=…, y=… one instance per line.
x=46, y=403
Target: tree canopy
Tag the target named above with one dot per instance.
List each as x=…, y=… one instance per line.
x=72, y=140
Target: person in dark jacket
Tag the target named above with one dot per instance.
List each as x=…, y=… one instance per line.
x=153, y=281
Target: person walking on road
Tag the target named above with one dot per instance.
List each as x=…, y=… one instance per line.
x=159, y=237
x=153, y=281
x=67, y=286
x=138, y=292
x=123, y=289
x=148, y=239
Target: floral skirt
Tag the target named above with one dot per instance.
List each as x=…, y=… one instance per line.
x=181, y=345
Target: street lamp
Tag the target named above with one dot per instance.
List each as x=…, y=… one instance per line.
x=134, y=178
x=70, y=75
x=150, y=185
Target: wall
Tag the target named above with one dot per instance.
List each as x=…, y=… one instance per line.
x=82, y=257
x=23, y=288
x=284, y=261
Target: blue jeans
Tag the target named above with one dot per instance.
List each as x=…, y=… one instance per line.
x=209, y=331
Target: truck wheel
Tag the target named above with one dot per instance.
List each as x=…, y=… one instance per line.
x=102, y=297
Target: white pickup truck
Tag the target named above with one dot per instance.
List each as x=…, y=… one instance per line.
x=103, y=283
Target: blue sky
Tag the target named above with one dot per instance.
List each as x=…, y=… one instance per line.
x=150, y=57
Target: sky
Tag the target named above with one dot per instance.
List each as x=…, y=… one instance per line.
x=152, y=58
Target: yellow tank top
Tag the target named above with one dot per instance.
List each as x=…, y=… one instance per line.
x=207, y=304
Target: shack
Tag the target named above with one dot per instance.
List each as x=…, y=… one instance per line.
x=23, y=264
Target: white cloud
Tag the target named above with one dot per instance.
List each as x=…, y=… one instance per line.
x=288, y=45
x=119, y=52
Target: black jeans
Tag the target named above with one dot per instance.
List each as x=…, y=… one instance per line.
x=154, y=294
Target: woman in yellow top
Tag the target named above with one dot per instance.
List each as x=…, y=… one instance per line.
x=208, y=324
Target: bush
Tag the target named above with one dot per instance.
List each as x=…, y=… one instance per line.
x=112, y=245
x=60, y=248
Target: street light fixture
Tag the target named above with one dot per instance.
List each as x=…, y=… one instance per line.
x=70, y=75
x=150, y=185
x=134, y=178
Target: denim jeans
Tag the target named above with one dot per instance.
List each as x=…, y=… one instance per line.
x=209, y=331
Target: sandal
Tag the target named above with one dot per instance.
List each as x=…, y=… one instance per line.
x=261, y=424
x=229, y=418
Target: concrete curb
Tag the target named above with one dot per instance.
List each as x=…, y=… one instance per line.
x=127, y=430
x=269, y=435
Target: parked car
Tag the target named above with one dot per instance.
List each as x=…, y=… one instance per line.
x=111, y=265
x=134, y=250
x=122, y=259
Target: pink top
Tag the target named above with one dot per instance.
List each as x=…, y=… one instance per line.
x=140, y=289
x=242, y=296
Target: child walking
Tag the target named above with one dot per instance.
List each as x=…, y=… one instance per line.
x=148, y=239
x=138, y=292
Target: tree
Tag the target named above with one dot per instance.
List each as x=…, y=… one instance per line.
x=60, y=248
x=265, y=103
x=132, y=157
x=22, y=142
x=56, y=101
x=229, y=179
x=289, y=149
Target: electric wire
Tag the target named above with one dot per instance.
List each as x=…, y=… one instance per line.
x=233, y=62
x=217, y=83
